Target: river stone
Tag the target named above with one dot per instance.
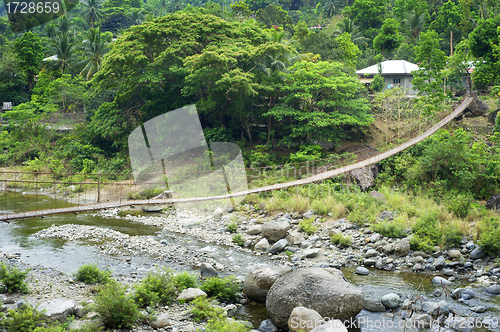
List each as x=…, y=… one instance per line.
x=57, y=309
x=374, y=237
x=278, y=246
x=311, y=253
x=420, y=321
x=377, y=195
x=440, y=281
x=388, y=248
x=295, y=238
x=454, y=254
x=362, y=270
x=402, y=247
x=152, y=208
x=268, y=326
x=262, y=245
x=470, y=245
x=207, y=271
x=189, y=222
x=464, y=323
x=386, y=215
x=477, y=253
x=439, y=263
x=189, y=294
x=273, y=231
x=189, y=328
x=390, y=301
x=303, y=319
x=449, y=272
x=363, y=177
x=308, y=214
x=373, y=305
x=456, y=294
x=160, y=321
x=218, y=213
x=479, y=309
x=259, y=281
x=493, y=289
x=494, y=202
x=324, y=290
x=371, y=253
x=334, y=325
x=254, y=230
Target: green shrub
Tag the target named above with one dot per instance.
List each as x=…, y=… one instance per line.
x=184, y=280
x=116, y=309
x=431, y=230
x=157, y=287
x=232, y=227
x=307, y=226
x=12, y=279
x=238, y=239
x=51, y=328
x=341, y=239
x=221, y=288
x=91, y=274
x=393, y=229
x=306, y=153
x=226, y=325
x=489, y=238
x=203, y=310
x=22, y=320
x=459, y=204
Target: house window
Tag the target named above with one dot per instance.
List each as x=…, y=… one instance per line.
x=397, y=81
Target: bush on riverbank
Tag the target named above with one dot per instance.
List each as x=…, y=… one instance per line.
x=12, y=279
x=184, y=280
x=91, y=274
x=490, y=235
x=115, y=307
x=157, y=287
x=224, y=289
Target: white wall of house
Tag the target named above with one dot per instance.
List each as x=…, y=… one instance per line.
x=403, y=81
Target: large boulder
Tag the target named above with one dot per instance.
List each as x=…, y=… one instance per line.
x=189, y=294
x=207, y=271
x=363, y=177
x=57, y=309
x=323, y=290
x=494, y=202
x=493, y=115
x=259, y=281
x=273, y=231
x=262, y=245
x=477, y=107
x=402, y=247
x=303, y=319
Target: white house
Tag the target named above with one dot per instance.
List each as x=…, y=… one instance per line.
x=395, y=73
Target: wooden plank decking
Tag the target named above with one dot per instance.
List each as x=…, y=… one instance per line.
x=311, y=179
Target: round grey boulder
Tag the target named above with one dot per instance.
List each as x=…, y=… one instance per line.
x=303, y=319
x=493, y=289
x=324, y=290
x=477, y=253
x=262, y=245
x=390, y=301
x=207, y=271
x=273, y=231
x=362, y=270
x=259, y=281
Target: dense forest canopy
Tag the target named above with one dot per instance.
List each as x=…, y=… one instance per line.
x=261, y=73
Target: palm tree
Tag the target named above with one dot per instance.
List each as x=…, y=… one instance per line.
x=136, y=16
x=331, y=7
x=62, y=46
x=415, y=23
x=50, y=30
x=347, y=25
x=175, y=5
x=94, y=49
x=93, y=12
x=64, y=24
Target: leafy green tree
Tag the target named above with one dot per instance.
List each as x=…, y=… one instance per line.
x=389, y=37
x=331, y=7
x=369, y=15
x=93, y=12
x=321, y=102
x=481, y=41
x=320, y=43
x=29, y=49
x=65, y=93
x=136, y=16
x=275, y=15
x=349, y=52
x=240, y=10
x=12, y=79
x=428, y=79
x=401, y=8
x=460, y=65
x=175, y=5
x=447, y=21
x=146, y=68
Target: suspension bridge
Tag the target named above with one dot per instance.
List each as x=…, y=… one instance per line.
x=467, y=100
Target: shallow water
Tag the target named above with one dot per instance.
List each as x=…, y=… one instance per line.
x=67, y=256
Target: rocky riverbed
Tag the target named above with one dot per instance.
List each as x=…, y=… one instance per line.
x=465, y=278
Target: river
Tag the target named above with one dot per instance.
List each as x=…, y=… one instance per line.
x=67, y=256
